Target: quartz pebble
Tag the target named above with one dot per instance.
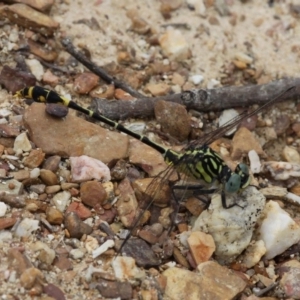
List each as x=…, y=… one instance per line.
x=22, y=143
x=3, y=209
x=36, y=68
x=26, y=227
x=76, y=254
x=85, y=168
x=278, y=230
x=174, y=45
x=103, y=248
x=254, y=253
x=61, y=200
x=232, y=229
x=125, y=268
x=46, y=254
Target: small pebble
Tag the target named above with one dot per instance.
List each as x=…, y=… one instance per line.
x=26, y=227
x=3, y=209
x=61, y=200
x=76, y=254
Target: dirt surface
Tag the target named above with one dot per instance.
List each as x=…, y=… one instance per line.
x=216, y=43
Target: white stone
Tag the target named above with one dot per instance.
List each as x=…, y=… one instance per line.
x=85, y=168
x=47, y=255
x=76, y=254
x=243, y=57
x=226, y=116
x=22, y=143
x=5, y=235
x=198, y=6
x=255, y=164
x=124, y=268
x=174, y=45
x=3, y=209
x=104, y=247
x=213, y=83
x=26, y=227
x=231, y=228
x=196, y=79
x=278, y=230
x=36, y=68
x=254, y=253
x=4, y=112
x=90, y=244
x=61, y=200
x=6, y=187
x=35, y=173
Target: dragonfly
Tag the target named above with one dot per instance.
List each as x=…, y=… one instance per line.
x=197, y=160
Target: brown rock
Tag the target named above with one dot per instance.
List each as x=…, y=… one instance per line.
x=48, y=177
x=85, y=82
x=7, y=222
x=52, y=163
x=54, y=216
x=63, y=262
x=78, y=208
x=31, y=276
x=75, y=226
x=194, y=206
x=158, y=89
x=146, y=157
x=7, y=130
x=127, y=203
x=21, y=175
x=180, y=259
x=41, y=51
x=52, y=189
x=114, y=289
x=202, y=246
x=27, y=17
x=53, y=291
x=34, y=159
x=50, y=78
x=213, y=282
x=92, y=193
x=244, y=141
x=14, y=80
x=48, y=134
x=178, y=126
x=160, y=194
x=122, y=95
x=296, y=129
x=147, y=236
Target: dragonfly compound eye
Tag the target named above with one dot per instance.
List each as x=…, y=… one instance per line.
x=233, y=184
x=243, y=171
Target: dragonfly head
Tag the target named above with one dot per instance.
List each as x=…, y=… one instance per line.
x=239, y=179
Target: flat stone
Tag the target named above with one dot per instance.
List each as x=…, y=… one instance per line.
x=7, y=222
x=73, y=136
x=127, y=203
x=85, y=82
x=201, y=245
x=34, y=159
x=146, y=157
x=244, y=141
x=141, y=252
x=213, y=282
x=78, y=208
x=21, y=175
x=114, y=289
x=28, y=17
